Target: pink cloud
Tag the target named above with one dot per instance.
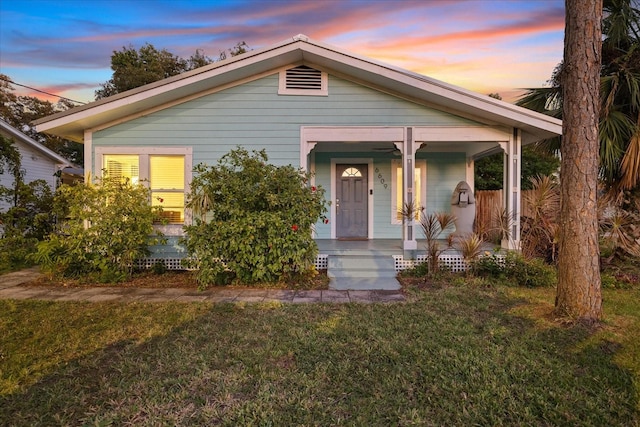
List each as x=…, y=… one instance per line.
x=542, y=22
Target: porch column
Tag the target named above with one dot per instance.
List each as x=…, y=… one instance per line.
x=511, y=185
x=89, y=161
x=409, y=242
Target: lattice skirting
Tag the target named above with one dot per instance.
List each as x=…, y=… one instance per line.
x=169, y=263
x=321, y=263
x=453, y=262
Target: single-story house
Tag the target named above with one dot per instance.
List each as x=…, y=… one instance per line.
x=37, y=161
x=374, y=135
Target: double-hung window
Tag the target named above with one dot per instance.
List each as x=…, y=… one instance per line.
x=166, y=179
x=165, y=171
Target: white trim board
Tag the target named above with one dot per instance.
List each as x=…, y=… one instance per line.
x=361, y=160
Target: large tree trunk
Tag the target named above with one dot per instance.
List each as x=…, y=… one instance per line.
x=579, y=294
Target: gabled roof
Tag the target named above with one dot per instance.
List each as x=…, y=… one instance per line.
x=71, y=124
x=13, y=133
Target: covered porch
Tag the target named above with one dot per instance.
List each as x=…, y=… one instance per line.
x=399, y=166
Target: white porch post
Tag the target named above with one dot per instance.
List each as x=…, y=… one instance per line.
x=512, y=168
x=409, y=242
x=88, y=156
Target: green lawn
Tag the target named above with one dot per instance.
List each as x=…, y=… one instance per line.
x=451, y=356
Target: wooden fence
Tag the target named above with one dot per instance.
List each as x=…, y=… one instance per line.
x=490, y=203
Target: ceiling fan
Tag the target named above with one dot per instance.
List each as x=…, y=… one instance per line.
x=391, y=150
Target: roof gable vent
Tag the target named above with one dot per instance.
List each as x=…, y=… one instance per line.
x=303, y=80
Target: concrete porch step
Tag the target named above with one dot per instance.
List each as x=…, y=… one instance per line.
x=360, y=262
x=356, y=270
x=363, y=273
x=364, y=284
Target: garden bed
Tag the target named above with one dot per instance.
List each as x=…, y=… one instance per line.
x=180, y=279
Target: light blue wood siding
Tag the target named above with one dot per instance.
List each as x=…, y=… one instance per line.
x=171, y=249
x=253, y=115
x=444, y=171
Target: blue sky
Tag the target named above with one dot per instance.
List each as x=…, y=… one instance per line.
x=65, y=46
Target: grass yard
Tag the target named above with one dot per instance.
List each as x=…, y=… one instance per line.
x=450, y=356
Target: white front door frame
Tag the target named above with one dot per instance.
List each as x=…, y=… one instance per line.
x=356, y=160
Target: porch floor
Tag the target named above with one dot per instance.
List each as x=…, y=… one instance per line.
x=373, y=246
x=378, y=246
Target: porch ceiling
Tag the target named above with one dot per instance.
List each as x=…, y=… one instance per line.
x=354, y=147
x=471, y=149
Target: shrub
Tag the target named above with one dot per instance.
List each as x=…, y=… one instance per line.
x=27, y=216
x=30, y=212
x=610, y=281
x=15, y=252
x=252, y=220
x=27, y=220
x=419, y=270
x=532, y=273
x=108, y=225
x=159, y=268
x=489, y=265
x=516, y=270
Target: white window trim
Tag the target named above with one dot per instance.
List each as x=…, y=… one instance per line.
x=395, y=164
x=282, y=85
x=144, y=153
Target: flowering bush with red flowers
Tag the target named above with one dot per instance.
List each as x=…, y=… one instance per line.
x=252, y=220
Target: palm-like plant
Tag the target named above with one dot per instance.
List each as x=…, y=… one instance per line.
x=620, y=97
x=540, y=225
x=620, y=233
x=432, y=225
x=470, y=247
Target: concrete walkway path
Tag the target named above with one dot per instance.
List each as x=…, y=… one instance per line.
x=11, y=287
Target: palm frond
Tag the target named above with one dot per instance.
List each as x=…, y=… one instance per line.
x=621, y=23
x=546, y=100
x=615, y=130
x=550, y=146
x=445, y=220
x=608, y=90
x=632, y=86
x=630, y=165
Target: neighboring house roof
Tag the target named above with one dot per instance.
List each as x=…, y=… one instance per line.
x=300, y=49
x=13, y=133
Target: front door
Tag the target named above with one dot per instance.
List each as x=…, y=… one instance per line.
x=351, y=201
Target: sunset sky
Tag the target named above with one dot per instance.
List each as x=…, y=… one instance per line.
x=65, y=46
